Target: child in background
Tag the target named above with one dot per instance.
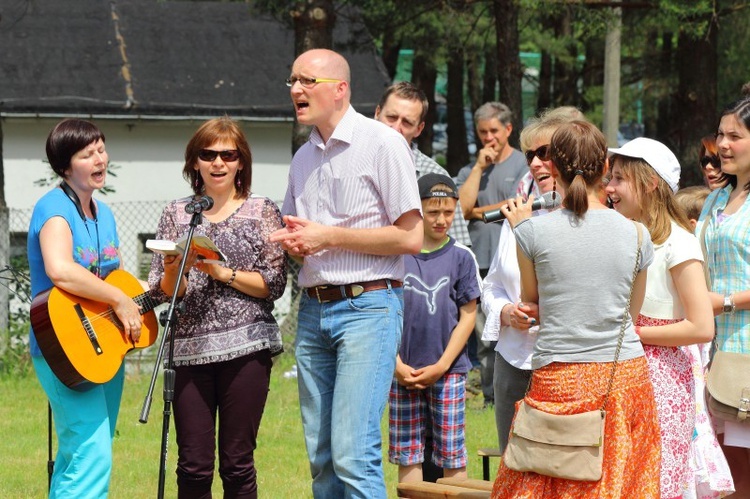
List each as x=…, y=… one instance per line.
x=441, y=287
x=710, y=468
x=691, y=200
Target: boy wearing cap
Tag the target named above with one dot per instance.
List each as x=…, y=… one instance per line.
x=441, y=287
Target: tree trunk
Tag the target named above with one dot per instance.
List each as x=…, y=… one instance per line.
x=611, y=116
x=509, y=62
x=458, y=151
x=391, y=49
x=696, y=98
x=313, y=28
x=566, y=75
x=489, y=94
x=474, y=83
x=664, y=117
x=593, y=70
x=424, y=75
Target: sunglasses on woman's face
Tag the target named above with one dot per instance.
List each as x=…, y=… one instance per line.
x=541, y=152
x=714, y=161
x=210, y=155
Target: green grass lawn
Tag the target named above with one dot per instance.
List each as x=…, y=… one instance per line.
x=281, y=459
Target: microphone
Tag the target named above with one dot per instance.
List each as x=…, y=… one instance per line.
x=199, y=204
x=548, y=201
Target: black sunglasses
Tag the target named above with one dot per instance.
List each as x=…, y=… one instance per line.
x=714, y=161
x=541, y=152
x=210, y=155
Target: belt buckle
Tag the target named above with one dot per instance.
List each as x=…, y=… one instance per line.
x=357, y=289
x=317, y=293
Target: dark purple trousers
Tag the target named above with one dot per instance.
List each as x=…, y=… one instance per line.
x=236, y=392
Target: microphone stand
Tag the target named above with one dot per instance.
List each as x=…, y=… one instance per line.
x=169, y=320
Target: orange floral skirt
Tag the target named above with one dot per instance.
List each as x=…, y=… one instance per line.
x=632, y=442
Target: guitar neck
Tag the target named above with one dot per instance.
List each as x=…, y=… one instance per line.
x=146, y=302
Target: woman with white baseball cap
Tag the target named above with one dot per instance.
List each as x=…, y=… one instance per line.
x=676, y=311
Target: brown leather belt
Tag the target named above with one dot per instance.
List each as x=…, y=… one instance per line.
x=333, y=292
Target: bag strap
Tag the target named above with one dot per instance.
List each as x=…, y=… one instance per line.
x=625, y=315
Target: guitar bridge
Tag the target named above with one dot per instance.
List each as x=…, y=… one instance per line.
x=86, y=323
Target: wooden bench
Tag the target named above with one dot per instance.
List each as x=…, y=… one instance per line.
x=468, y=483
x=430, y=490
x=486, y=454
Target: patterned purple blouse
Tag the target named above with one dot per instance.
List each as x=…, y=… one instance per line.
x=219, y=322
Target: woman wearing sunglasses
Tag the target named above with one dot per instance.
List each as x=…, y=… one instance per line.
x=226, y=336
x=708, y=157
x=508, y=322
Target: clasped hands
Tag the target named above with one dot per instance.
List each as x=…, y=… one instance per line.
x=417, y=379
x=301, y=237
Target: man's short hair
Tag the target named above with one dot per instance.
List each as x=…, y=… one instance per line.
x=490, y=110
x=408, y=91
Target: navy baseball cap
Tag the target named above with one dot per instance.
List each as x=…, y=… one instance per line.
x=427, y=182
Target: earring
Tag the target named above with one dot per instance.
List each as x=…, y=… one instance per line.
x=196, y=182
x=237, y=181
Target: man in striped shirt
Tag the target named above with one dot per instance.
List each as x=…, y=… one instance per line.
x=351, y=210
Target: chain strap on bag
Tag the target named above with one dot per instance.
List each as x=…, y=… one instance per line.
x=569, y=446
x=728, y=378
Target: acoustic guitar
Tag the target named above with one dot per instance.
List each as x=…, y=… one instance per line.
x=83, y=340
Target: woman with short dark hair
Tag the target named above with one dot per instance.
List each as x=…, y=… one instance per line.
x=73, y=244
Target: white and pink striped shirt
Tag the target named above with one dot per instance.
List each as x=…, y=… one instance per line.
x=363, y=178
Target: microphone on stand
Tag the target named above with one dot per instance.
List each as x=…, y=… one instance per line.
x=199, y=204
x=546, y=202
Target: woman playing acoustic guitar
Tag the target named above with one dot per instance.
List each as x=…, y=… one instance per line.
x=73, y=245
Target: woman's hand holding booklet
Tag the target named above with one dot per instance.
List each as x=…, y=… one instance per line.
x=207, y=251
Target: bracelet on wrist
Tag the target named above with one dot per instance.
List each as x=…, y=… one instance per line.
x=729, y=306
x=231, y=279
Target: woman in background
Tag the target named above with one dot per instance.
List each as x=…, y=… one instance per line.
x=73, y=244
x=582, y=282
x=708, y=157
x=727, y=240
x=227, y=335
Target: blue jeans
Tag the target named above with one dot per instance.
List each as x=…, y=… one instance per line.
x=346, y=355
x=85, y=424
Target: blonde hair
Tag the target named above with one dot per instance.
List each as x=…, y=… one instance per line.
x=658, y=207
x=544, y=125
x=691, y=199
x=439, y=202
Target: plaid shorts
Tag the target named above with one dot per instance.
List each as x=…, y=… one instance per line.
x=444, y=404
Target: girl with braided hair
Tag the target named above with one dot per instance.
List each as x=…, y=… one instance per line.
x=580, y=324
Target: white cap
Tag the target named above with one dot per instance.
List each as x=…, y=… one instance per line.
x=657, y=155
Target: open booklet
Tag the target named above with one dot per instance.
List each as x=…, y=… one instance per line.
x=207, y=251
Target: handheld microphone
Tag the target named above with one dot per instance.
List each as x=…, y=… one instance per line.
x=547, y=201
x=199, y=204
